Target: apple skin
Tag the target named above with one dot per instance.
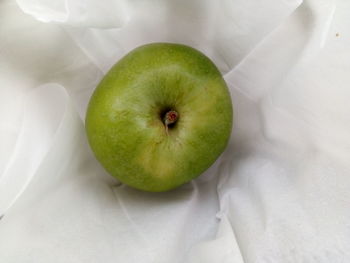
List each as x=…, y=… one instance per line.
x=124, y=120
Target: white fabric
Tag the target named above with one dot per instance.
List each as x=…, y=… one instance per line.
x=279, y=193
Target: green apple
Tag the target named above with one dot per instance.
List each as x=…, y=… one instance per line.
x=160, y=117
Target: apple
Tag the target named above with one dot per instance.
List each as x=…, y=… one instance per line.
x=160, y=117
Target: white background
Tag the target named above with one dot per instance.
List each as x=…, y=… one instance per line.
x=279, y=193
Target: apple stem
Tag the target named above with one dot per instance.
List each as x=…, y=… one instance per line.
x=169, y=118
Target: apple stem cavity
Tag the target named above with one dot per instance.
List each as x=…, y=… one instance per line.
x=170, y=118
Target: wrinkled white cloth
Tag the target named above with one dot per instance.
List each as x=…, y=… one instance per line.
x=279, y=193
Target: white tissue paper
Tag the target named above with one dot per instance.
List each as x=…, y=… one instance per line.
x=279, y=193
